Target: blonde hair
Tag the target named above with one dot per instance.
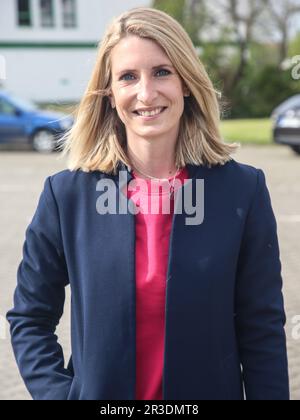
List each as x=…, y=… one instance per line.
x=97, y=140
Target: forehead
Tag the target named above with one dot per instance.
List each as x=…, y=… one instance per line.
x=130, y=53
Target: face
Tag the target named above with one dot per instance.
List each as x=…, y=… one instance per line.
x=143, y=78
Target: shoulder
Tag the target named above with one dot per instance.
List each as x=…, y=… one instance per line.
x=241, y=174
x=238, y=178
x=66, y=179
x=65, y=188
x=234, y=168
x=247, y=176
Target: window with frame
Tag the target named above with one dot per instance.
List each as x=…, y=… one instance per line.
x=69, y=15
x=24, y=13
x=6, y=108
x=47, y=13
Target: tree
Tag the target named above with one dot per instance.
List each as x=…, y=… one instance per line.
x=294, y=46
x=198, y=20
x=281, y=13
x=176, y=9
x=242, y=17
x=192, y=14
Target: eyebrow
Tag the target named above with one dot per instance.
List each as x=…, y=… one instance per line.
x=153, y=68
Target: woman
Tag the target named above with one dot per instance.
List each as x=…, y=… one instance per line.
x=164, y=305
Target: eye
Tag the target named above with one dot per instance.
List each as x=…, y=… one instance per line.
x=125, y=75
x=164, y=70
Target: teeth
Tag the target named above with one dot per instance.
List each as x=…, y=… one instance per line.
x=150, y=114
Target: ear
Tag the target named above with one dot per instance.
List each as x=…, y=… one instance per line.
x=186, y=91
x=112, y=101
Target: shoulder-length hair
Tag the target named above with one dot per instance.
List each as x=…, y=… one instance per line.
x=97, y=140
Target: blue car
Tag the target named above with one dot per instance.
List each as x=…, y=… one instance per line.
x=286, y=123
x=23, y=124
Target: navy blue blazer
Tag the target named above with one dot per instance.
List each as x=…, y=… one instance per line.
x=224, y=337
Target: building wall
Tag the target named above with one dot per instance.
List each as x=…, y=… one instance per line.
x=48, y=75
x=54, y=64
x=93, y=15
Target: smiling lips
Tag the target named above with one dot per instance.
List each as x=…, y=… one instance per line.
x=150, y=113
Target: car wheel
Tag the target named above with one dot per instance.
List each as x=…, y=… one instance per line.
x=296, y=149
x=43, y=141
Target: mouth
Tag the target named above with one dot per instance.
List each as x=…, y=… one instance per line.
x=150, y=115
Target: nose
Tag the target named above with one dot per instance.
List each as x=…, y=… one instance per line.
x=146, y=90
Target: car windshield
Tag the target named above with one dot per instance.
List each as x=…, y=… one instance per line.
x=292, y=112
x=290, y=103
x=23, y=104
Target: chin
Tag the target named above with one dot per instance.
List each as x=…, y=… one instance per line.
x=155, y=130
x=151, y=133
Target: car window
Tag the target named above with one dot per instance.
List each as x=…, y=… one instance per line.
x=23, y=104
x=6, y=108
x=290, y=103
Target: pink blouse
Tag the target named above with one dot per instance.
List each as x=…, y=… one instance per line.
x=152, y=251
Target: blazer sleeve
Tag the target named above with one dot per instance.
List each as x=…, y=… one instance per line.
x=38, y=304
x=260, y=316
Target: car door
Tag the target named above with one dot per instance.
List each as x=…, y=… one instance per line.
x=12, y=124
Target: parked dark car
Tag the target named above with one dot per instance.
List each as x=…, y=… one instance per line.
x=23, y=123
x=286, y=129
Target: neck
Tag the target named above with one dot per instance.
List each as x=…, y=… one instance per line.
x=152, y=158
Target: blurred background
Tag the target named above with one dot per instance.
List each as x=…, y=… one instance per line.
x=251, y=50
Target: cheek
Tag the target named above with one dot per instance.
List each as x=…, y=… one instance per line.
x=124, y=103
x=179, y=104
x=175, y=95
x=122, y=107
